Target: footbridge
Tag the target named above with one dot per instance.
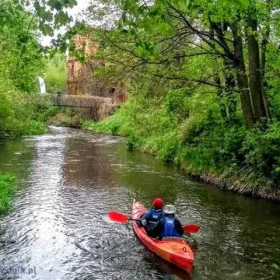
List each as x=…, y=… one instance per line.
x=99, y=107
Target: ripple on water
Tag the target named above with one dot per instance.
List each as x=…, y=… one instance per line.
x=58, y=224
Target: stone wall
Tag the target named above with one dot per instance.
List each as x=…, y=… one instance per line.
x=80, y=80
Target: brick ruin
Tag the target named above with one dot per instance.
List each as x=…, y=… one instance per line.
x=80, y=80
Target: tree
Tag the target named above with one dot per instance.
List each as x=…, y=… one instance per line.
x=234, y=34
x=51, y=14
x=21, y=55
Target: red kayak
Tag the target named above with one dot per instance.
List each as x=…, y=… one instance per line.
x=174, y=250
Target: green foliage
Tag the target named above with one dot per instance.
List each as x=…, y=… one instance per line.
x=55, y=73
x=179, y=62
x=21, y=62
x=213, y=149
x=6, y=113
x=189, y=131
x=20, y=58
x=51, y=13
x=195, y=43
x=111, y=125
x=273, y=81
x=146, y=124
x=262, y=153
x=24, y=115
x=7, y=187
x=176, y=103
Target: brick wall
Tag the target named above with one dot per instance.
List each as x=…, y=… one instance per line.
x=79, y=76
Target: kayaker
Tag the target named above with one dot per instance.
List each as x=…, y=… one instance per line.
x=153, y=218
x=170, y=226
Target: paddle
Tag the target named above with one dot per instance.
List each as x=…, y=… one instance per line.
x=122, y=218
x=191, y=228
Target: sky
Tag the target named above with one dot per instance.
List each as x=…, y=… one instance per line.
x=75, y=12
x=81, y=5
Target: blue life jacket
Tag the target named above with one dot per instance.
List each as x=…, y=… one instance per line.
x=168, y=228
x=153, y=215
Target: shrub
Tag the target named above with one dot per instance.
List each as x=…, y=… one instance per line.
x=262, y=153
x=7, y=187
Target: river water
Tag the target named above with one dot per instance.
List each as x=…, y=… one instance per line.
x=69, y=180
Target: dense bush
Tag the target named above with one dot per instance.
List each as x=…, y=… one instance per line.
x=262, y=153
x=24, y=114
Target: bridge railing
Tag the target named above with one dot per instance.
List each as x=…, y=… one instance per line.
x=99, y=107
x=81, y=101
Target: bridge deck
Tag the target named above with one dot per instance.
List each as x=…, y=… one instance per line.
x=97, y=107
x=83, y=101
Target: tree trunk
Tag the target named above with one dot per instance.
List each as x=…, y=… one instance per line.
x=223, y=110
x=255, y=74
x=264, y=43
x=242, y=78
x=265, y=38
x=230, y=97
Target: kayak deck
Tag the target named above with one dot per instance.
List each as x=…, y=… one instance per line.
x=173, y=250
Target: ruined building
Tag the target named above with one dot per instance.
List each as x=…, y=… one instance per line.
x=80, y=79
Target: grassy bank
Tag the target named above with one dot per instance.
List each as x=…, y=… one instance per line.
x=7, y=188
x=193, y=136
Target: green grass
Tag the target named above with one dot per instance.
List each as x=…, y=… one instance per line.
x=7, y=188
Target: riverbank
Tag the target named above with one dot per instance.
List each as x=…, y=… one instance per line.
x=232, y=158
x=7, y=188
x=234, y=181
x=205, y=161
x=238, y=182
x=235, y=184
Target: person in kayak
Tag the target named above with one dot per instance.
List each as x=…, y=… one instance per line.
x=170, y=226
x=153, y=218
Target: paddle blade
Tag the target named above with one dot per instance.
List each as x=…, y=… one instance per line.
x=191, y=228
x=118, y=217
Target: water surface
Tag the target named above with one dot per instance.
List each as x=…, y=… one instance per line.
x=69, y=179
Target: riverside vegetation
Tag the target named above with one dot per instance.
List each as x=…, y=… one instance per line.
x=203, y=84
x=202, y=78
x=22, y=60
x=7, y=187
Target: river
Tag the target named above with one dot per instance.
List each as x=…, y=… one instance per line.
x=70, y=179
